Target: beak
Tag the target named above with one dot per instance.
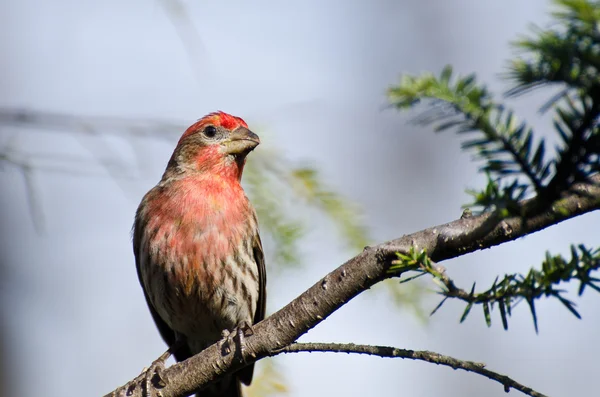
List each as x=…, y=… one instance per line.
x=241, y=141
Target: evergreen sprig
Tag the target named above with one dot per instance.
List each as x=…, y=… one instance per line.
x=515, y=160
x=566, y=56
x=513, y=288
x=505, y=145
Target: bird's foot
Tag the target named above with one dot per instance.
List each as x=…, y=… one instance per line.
x=152, y=379
x=237, y=336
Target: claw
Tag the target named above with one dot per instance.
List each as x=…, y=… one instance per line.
x=246, y=328
x=225, y=342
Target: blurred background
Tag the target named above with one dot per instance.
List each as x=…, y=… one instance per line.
x=92, y=99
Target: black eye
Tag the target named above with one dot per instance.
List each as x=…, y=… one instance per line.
x=210, y=131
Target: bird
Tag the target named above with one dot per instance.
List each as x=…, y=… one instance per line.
x=197, y=247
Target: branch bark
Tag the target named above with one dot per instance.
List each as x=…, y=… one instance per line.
x=371, y=266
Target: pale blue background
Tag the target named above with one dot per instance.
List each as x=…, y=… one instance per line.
x=312, y=75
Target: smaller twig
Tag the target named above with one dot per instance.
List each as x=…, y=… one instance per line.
x=423, y=355
x=452, y=291
x=514, y=288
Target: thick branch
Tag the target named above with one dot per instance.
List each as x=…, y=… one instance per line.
x=423, y=355
x=363, y=271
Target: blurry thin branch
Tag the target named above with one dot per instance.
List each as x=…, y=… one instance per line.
x=33, y=202
x=9, y=158
x=68, y=123
x=190, y=38
x=278, y=187
x=28, y=164
x=421, y=355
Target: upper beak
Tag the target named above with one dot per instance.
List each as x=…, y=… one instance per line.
x=241, y=141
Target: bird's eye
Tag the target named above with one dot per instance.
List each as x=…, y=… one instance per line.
x=210, y=131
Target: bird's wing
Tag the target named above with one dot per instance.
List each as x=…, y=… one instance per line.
x=262, y=279
x=168, y=335
x=245, y=375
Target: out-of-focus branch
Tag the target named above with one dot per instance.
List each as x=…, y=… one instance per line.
x=422, y=355
x=270, y=178
x=442, y=242
x=86, y=125
x=190, y=38
x=81, y=127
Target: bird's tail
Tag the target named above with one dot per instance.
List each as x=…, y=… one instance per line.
x=228, y=387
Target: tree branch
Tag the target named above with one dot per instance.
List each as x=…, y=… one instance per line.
x=423, y=355
x=363, y=271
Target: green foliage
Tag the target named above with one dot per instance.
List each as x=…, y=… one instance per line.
x=412, y=260
x=345, y=215
x=281, y=191
x=283, y=194
x=408, y=297
x=284, y=230
x=517, y=162
x=513, y=288
x=565, y=56
x=503, y=143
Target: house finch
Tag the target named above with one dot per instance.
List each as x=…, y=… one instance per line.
x=198, y=252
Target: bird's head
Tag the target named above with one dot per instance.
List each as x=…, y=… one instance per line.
x=217, y=143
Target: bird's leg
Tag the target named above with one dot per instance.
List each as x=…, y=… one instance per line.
x=237, y=336
x=243, y=330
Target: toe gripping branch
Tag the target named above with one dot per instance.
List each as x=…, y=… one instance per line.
x=153, y=378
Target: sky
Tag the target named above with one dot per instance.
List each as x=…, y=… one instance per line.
x=312, y=77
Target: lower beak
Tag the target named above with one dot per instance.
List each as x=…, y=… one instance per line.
x=241, y=141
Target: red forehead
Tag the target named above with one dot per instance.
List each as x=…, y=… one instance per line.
x=218, y=119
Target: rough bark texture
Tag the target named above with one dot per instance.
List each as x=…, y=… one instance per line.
x=360, y=273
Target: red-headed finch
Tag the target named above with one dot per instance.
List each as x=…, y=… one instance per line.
x=197, y=249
